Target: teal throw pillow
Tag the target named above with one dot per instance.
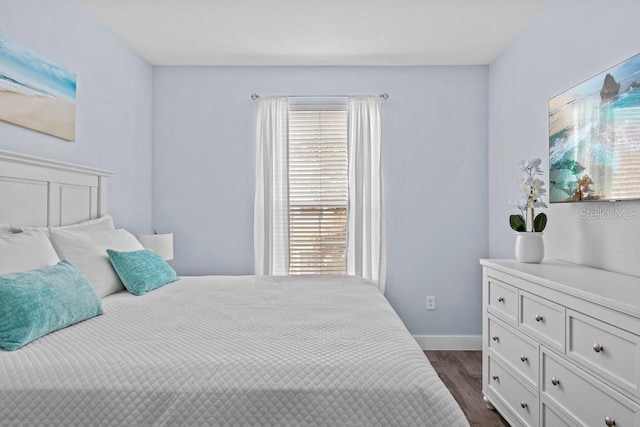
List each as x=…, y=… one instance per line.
x=141, y=271
x=37, y=302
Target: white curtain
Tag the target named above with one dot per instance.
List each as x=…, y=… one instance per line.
x=366, y=249
x=271, y=210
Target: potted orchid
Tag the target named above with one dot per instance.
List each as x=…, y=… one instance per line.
x=527, y=225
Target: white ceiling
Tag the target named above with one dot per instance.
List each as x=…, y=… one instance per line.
x=316, y=32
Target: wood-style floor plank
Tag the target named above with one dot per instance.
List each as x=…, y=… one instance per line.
x=461, y=372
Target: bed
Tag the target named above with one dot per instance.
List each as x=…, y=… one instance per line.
x=213, y=350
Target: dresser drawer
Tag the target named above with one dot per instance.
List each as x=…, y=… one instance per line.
x=503, y=301
x=604, y=349
x=542, y=319
x=588, y=400
x=516, y=350
x=522, y=402
x=551, y=418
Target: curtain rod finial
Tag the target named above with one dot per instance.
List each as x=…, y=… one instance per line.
x=384, y=96
x=254, y=96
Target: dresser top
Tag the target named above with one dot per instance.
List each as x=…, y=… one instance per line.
x=615, y=290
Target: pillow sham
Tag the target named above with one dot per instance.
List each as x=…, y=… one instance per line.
x=26, y=251
x=103, y=223
x=37, y=302
x=141, y=271
x=87, y=250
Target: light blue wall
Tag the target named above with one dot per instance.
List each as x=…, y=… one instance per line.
x=571, y=41
x=435, y=174
x=113, y=122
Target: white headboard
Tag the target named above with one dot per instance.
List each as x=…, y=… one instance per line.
x=41, y=192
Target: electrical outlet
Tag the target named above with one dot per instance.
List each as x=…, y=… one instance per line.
x=431, y=303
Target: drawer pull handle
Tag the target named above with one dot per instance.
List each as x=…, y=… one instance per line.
x=609, y=421
x=496, y=378
x=598, y=348
x=495, y=338
x=500, y=299
x=555, y=381
x=523, y=404
x=538, y=317
x=523, y=358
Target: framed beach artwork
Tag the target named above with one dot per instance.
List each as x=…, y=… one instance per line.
x=35, y=93
x=594, y=137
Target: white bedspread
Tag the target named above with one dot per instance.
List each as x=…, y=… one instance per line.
x=241, y=351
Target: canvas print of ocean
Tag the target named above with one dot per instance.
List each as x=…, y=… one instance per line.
x=36, y=93
x=594, y=137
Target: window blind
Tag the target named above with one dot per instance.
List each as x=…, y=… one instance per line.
x=318, y=192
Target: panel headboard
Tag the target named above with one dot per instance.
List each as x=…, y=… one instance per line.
x=40, y=192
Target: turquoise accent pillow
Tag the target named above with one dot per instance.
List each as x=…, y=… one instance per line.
x=141, y=271
x=37, y=302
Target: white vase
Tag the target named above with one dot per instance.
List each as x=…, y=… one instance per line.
x=529, y=247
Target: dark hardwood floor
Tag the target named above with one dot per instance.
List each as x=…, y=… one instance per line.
x=461, y=372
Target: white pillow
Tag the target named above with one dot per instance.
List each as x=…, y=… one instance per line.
x=87, y=250
x=103, y=223
x=26, y=251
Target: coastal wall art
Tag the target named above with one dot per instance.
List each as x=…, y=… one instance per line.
x=594, y=137
x=35, y=93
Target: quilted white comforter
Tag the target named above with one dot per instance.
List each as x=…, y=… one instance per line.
x=241, y=351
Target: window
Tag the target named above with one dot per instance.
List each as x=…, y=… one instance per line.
x=318, y=203
x=318, y=190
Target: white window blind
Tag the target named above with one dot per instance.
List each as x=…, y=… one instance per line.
x=318, y=192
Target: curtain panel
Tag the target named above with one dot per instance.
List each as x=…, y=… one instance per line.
x=366, y=246
x=271, y=208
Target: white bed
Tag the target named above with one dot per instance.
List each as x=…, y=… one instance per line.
x=218, y=350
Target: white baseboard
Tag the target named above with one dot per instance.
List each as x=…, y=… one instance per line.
x=449, y=342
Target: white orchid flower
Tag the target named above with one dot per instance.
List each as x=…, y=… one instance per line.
x=523, y=166
x=521, y=203
x=531, y=188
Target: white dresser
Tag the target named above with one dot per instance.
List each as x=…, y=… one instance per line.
x=561, y=344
